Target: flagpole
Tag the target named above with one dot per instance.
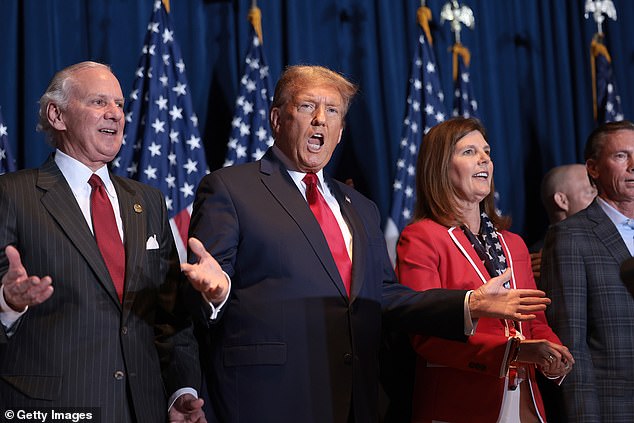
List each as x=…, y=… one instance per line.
x=162, y=144
x=457, y=16
x=167, y=5
x=424, y=108
x=250, y=135
x=597, y=47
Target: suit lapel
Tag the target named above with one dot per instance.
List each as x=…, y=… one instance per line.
x=359, y=237
x=607, y=233
x=132, y=210
x=281, y=186
x=60, y=203
x=467, y=250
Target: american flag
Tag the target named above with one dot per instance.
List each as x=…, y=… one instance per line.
x=464, y=102
x=607, y=97
x=7, y=164
x=162, y=146
x=251, y=131
x=425, y=108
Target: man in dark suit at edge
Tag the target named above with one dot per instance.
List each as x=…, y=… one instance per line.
x=311, y=280
x=105, y=328
x=593, y=312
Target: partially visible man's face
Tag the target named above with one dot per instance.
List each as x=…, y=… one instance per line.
x=580, y=191
x=613, y=170
x=308, y=127
x=91, y=127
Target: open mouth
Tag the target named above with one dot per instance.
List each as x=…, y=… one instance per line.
x=482, y=175
x=108, y=131
x=315, y=142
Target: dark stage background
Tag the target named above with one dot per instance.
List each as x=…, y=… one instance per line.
x=530, y=70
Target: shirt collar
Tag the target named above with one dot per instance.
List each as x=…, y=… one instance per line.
x=615, y=216
x=77, y=173
x=291, y=169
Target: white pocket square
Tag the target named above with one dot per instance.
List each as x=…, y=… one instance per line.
x=152, y=243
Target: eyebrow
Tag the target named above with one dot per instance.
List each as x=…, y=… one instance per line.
x=316, y=99
x=105, y=96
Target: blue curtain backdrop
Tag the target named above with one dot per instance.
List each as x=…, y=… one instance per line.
x=530, y=71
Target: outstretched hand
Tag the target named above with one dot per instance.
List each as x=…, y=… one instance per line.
x=206, y=276
x=494, y=300
x=20, y=289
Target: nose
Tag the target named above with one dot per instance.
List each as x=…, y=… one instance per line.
x=484, y=158
x=114, y=112
x=319, y=117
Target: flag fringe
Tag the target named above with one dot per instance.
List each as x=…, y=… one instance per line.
x=255, y=17
x=423, y=15
x=459, y=50
x=596, y=48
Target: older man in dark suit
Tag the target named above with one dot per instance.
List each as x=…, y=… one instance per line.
x=592, y=311
x=311, y=281
x=105, y=327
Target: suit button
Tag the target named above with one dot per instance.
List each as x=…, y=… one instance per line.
x=347, y=358
x=118, y=375
x=124, y=330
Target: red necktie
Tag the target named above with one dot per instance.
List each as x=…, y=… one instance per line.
x=106, y=232
x=330, y=228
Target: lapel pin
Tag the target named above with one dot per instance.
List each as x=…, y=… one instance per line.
x=138, y=208
x=348, y=199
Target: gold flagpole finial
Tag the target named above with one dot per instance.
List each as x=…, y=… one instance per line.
x=167, y=5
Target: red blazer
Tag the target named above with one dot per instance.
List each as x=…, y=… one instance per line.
x=456, y=381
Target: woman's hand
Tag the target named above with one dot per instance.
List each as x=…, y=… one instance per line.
x=554, y=360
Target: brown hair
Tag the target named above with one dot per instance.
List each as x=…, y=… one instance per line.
x=436, y=197
x=596, y=139
x=299, y=76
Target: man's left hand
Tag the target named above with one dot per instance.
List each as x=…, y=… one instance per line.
x=187, y=409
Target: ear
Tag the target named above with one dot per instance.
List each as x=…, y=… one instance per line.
x=340, y=134
x=274, y=117
x=54, y=115
x=561, y=200
x=591, y=167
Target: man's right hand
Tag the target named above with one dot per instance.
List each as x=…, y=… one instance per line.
x=494, y=300
x=20, y=289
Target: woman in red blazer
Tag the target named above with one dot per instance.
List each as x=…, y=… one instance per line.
x=458, y=241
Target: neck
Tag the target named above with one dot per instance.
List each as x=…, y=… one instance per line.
x=626, y=207
x=470, y=216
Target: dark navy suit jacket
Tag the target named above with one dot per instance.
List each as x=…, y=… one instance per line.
x=290, y=345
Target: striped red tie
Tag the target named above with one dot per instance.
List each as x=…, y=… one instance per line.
x=330, y=228
x=106, y=232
